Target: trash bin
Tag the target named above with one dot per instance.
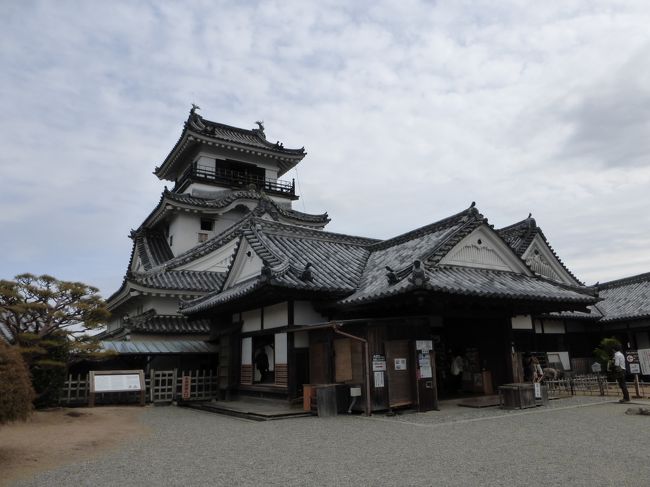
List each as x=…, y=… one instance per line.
x=326, y=401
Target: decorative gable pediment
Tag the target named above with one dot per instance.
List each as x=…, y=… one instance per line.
x=484, y=249
x=542, y=261
x=137, y=266
x=246, y=264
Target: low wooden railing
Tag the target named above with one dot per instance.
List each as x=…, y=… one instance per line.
x=163, y=386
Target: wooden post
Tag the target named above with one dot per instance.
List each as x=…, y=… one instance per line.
x=152, y=383
x=174, y=384
x=636, y=386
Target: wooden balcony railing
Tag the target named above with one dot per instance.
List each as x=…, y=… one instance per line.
x=237, y=179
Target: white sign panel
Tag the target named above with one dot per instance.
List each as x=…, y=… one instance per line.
x=117, y=383
x=400, y=364
x=538, y=390
x=379, y=379
x=425, y=372
x=424, y=345
x=378, y=363
x=644, y=359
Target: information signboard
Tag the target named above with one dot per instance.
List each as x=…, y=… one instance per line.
x=117, y=383
x=378, y=363
x=632, y=359
x=111, y=381
x=644, y=360
x=186, y=387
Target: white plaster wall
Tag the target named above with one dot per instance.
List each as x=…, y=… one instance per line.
x=247, y=351
x=522, y=322
x=304, y=314
x=553, y=326
x=228, y=219
x=251, y=266
x=252, y=320
x=203, y=187
x=184, y=229
x=281, y=348
x=276, y=315
x=301, y=339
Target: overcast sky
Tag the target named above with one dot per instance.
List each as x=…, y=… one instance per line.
x=408, y=110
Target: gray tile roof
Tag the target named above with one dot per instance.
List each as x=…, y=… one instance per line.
x=217, y=298
x=167, y=324
x=159, y=347
x=228, y=133
x=625, y=299
x=203, y=281
x=520, y=235
x=198, y=130
x=221, y=199
x=356, y=267
x=400, y=252
x=151, y=247
x=337, y=261
x=483, y=283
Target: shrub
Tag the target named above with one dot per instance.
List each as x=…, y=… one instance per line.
x=16, y=393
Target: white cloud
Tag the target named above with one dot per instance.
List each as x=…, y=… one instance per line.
x=408, y=113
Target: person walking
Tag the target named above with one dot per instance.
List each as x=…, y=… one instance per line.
x=619, y=370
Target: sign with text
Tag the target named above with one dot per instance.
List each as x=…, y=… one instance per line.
x=117, y=383
x=186, y=387
x=644, y=360
x=400, y=364
x=632, y=359
x=107, y=381
x=378, y=363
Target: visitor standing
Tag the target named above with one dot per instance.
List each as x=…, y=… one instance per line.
x=619, y=370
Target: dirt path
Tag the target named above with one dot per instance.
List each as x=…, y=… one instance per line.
x=60, y=436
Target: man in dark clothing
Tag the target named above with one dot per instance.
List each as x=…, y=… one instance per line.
x=619, y=370
x=262, y=364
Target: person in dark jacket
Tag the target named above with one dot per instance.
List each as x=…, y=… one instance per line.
x=262, y=364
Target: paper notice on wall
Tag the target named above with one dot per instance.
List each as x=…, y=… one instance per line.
x=400, y=364
x=644, y=360
x=379, y=379
x=425, y=372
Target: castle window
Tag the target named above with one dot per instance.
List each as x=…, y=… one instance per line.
x=206, y=224
x=171, y=240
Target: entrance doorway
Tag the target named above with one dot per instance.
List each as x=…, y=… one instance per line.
x=398, y=369
x=264, y=359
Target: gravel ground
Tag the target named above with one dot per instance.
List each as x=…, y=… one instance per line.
x=580, y=441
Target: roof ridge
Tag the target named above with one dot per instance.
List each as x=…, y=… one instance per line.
x=625, y=280
x=426, y=229
x=207, y=246
x=317, y=234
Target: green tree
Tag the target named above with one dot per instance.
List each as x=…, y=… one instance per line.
x=16, y=393
x=605, y=351
x=51, y=320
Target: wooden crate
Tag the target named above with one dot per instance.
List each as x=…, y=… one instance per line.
x=517, y=396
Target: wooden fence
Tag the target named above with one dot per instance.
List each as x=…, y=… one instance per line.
x=592, y=385
x=163, y=386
